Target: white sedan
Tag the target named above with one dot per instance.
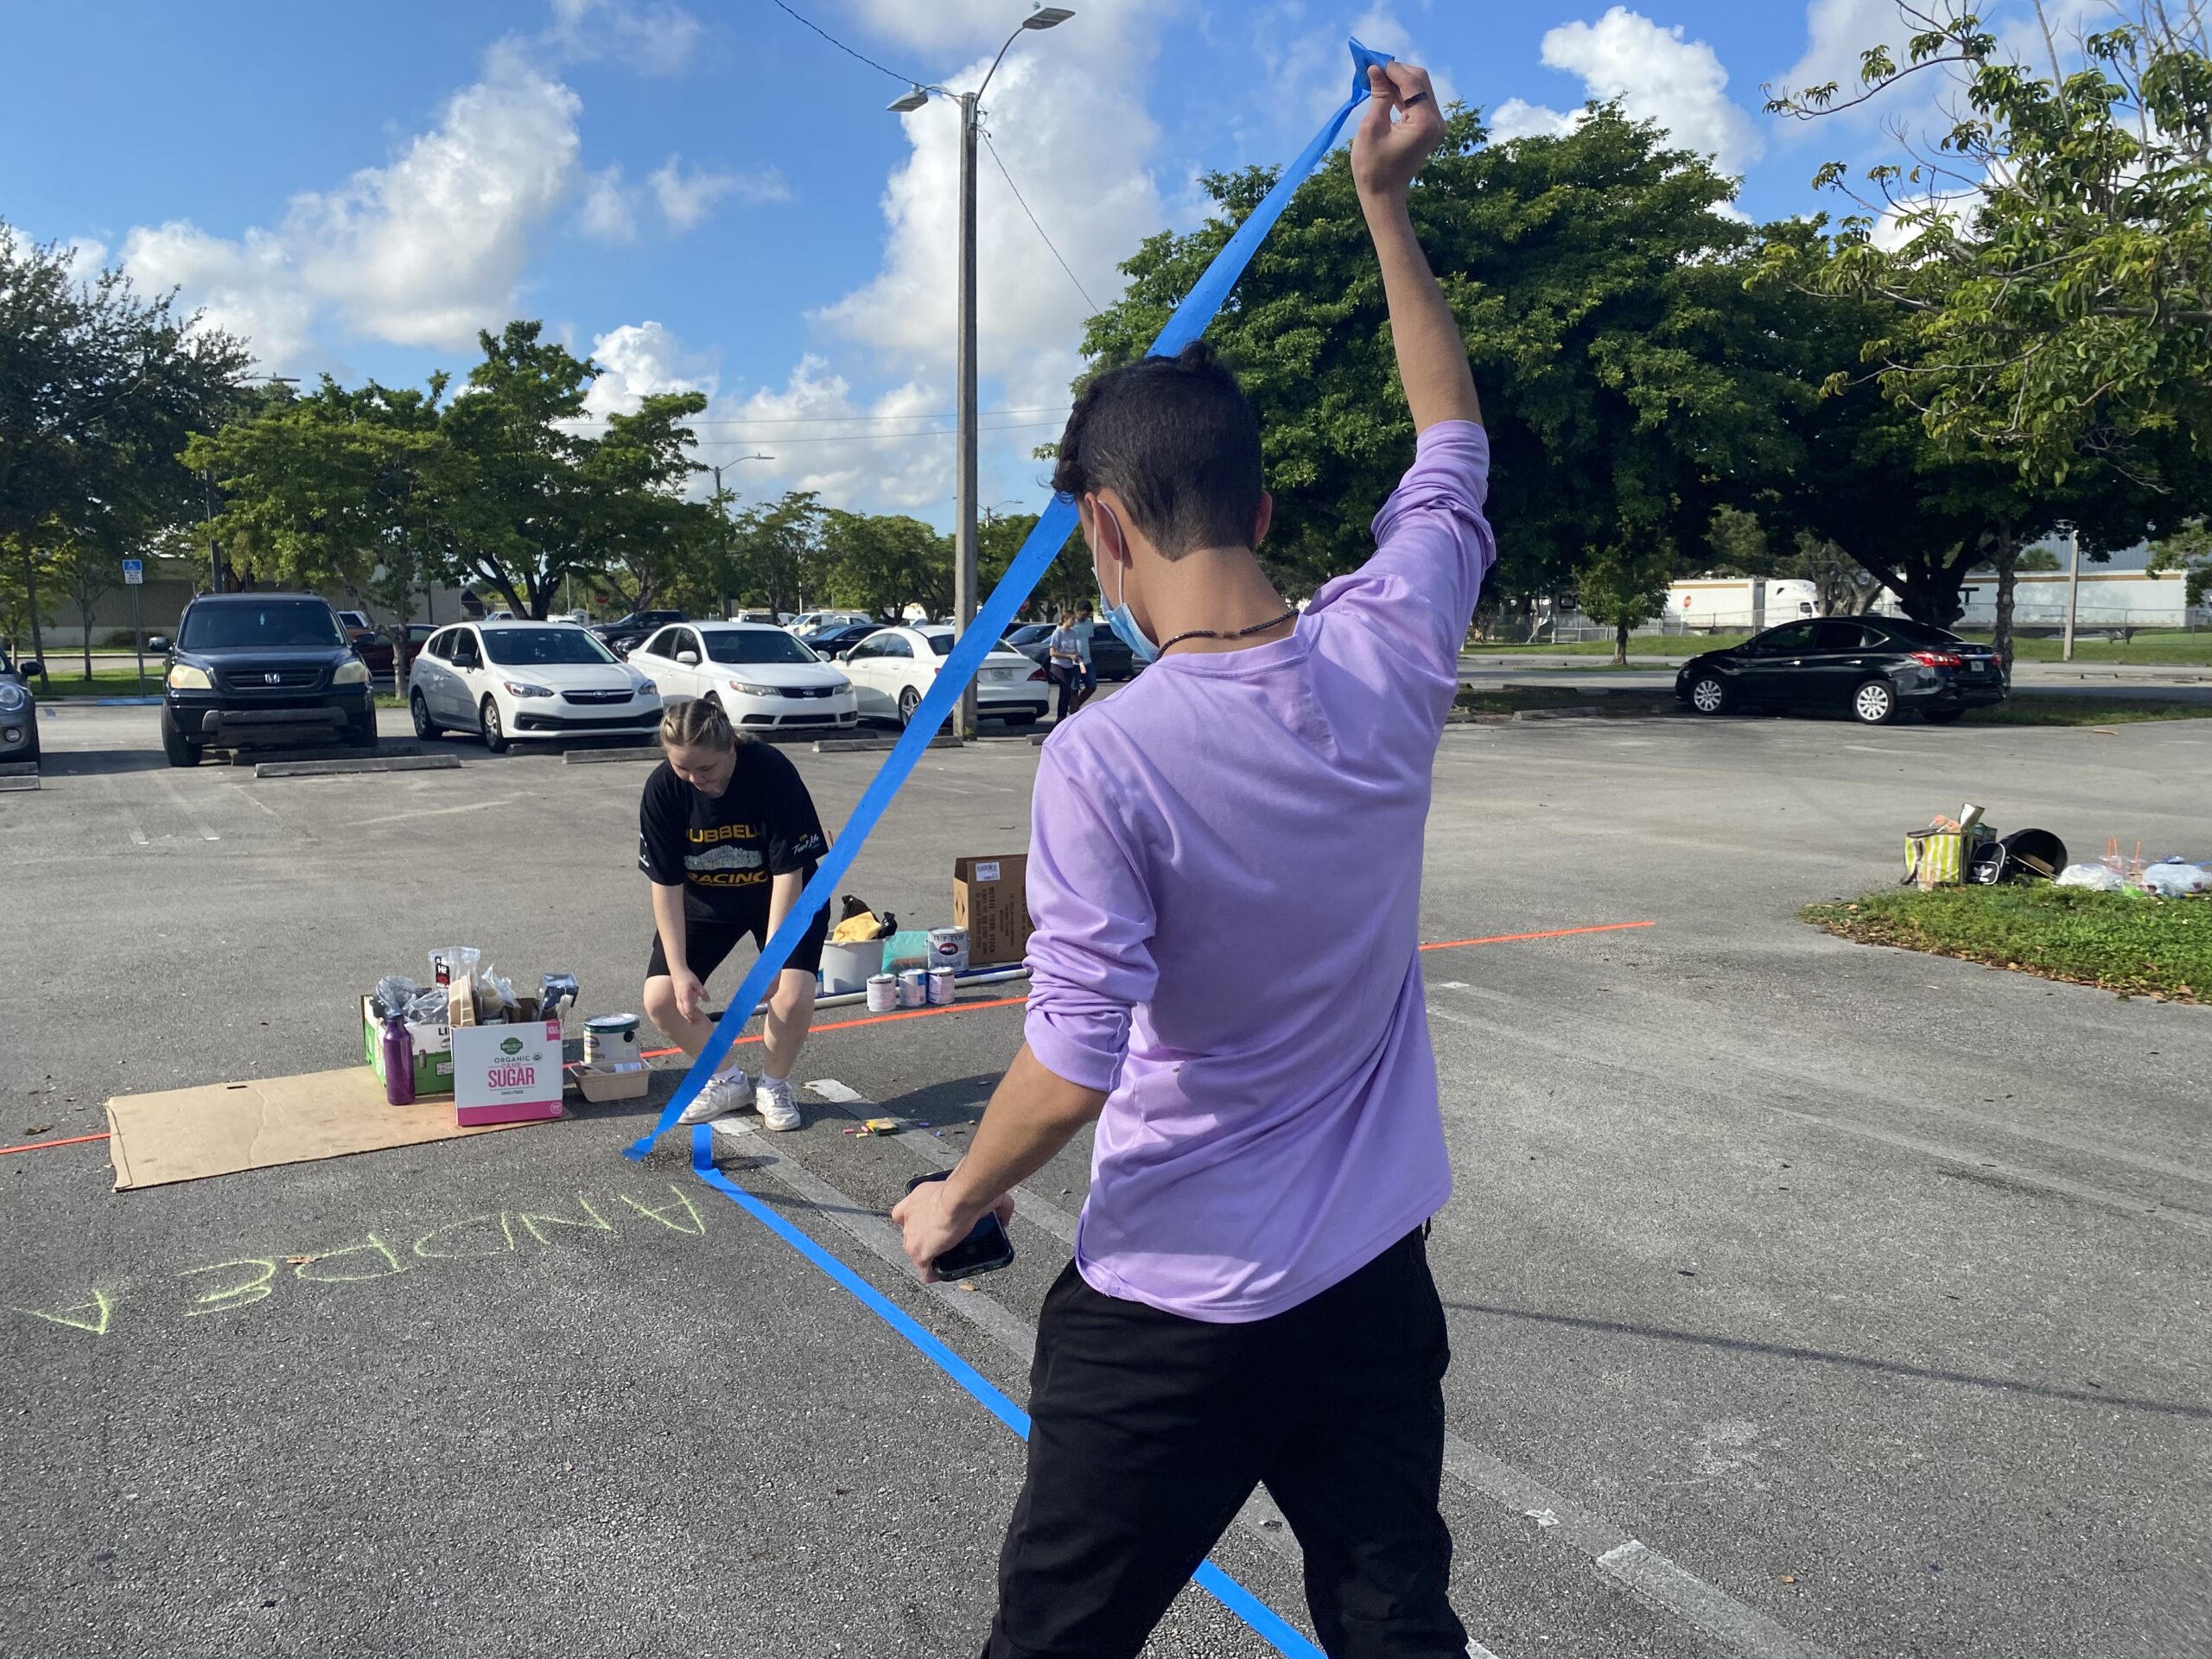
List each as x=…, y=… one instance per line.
x=892, y=671
x=764, y=679
x=824, y=621
x=510, y=680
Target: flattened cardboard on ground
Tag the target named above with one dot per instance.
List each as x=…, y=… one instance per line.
x=187, y=1134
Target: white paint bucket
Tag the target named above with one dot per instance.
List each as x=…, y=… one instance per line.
x=949, y=948
x=944, y=984
x=848, y=968
x=913, y=988
x=611, y=1039
x=882, y=994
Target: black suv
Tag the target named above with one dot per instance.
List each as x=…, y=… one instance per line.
x=619, y=636
x=262, y=668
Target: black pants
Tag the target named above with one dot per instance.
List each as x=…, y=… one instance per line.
x=1069, y=678
x=1149, y=1430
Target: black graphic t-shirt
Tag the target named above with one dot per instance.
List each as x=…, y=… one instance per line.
x=723, y=851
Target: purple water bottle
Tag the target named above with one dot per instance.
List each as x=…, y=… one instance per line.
x=398, y=1063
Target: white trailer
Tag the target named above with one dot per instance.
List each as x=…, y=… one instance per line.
x=2112, y=602
x=1749, y=604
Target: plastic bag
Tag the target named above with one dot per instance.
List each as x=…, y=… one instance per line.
x=556, y=992
x=429, y=1007
x=2094, y=877
x=452, y=964
x=2174, y=879
x=392, y=997
x=495, y=997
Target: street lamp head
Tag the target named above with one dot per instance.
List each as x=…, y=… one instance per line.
x=1046, y=17
x=907, y=102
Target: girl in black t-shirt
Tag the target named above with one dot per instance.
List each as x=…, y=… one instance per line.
x=728, y=837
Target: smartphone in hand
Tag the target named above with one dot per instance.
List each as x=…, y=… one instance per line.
x=986, y=1248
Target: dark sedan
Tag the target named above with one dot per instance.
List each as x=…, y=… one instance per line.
x=1110, y=658
x=619, y=636
x=833, y=642
x=1874, y=667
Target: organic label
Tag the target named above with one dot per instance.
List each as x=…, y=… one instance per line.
x=513, y=1045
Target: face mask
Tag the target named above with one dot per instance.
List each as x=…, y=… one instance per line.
x=1119, y=617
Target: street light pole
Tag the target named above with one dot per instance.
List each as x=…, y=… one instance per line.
x=963, y=533
x=2073, y=588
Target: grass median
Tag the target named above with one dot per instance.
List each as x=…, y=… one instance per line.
x=2119, y=942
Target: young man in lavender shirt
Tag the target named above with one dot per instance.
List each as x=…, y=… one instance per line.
x=1224, y=876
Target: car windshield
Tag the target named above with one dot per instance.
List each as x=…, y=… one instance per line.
x=769, y=646
x=278, y=623
x=1029, y=635
x=512, y=646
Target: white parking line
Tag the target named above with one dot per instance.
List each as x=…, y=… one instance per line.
x=206, y=830
x=123, y=810
x=1634, y=1566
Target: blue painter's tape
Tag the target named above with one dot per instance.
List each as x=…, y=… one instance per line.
x=991, y=619
x=1267, y=1623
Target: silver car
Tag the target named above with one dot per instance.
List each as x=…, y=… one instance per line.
x=19, y=710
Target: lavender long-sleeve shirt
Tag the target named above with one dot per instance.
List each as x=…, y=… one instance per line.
x=1224, y=876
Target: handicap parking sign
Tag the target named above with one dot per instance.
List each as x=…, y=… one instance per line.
x=134, y=573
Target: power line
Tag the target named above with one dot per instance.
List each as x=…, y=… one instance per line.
x=813, y=420
x=886, y=437
x=906, y=80
x=1033, y=225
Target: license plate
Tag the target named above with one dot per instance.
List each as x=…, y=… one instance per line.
x=1000, y=673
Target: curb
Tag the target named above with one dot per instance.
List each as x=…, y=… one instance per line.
x=875, y=745
x=341, y=768
x=596, y=757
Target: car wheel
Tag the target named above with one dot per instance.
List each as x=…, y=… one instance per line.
x=909, y=701
x=1941, y=716
x=1709, y=694
x=181, y=749
x=426, y=728
x=1874, y=704
x=494, y=735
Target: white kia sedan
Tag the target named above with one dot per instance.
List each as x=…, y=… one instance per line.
x=507, y=681
x=764, y=679
x=891, y=672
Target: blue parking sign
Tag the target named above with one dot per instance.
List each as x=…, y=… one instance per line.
x=134, y=573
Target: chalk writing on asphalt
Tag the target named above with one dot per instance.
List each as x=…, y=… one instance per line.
x=223, y=1287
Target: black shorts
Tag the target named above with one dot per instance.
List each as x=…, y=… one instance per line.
x=707, y=945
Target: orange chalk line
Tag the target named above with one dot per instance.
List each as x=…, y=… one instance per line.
x=977, y=1007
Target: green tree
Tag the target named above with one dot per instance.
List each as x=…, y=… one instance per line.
x=1067, y=581
x=881, y=562
x=1595, y=283
x=1624, y=585
x=642, y=530
x=2187, y=549
x=99, y=388
x=778, y=553
x=2046, y=265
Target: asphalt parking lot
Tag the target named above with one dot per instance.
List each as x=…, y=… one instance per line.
x=1807, y=1299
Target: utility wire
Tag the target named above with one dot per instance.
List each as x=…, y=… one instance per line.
x=903, y=81
x=1033, y=225
x=816, y=420
x=886, y=437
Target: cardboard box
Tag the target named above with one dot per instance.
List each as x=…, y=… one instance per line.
x=507, y=1074
x=433, y=1046
x=624, y=1080
x=990, y=898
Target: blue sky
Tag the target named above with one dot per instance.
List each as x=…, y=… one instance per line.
x=715, y=197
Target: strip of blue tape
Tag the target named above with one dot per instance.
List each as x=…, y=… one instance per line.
x=1264, y=1622
x=991, y=619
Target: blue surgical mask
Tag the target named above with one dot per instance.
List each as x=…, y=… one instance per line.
x=1120, y=618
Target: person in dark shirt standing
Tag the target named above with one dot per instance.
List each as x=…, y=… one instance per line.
x=728, y=837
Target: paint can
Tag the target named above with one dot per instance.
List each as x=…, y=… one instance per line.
x=949, y=948
x=944, y=985
x=915, y=988
x=611, y=1039
x=882, y=993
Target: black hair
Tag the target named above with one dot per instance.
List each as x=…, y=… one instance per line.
x=1175, y=439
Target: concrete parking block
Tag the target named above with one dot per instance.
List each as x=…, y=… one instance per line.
x=340, y=768
x=594, y=757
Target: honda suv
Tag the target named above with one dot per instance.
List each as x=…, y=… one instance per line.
x=262, y=668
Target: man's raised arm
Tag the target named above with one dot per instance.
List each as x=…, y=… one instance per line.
x=1385, y=156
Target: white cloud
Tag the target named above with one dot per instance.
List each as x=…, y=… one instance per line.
x=654, y=39
x=641, y=360
x=687, y=198
x=943, y=25
x=1077, y=145
x=1518, y=119
x=423, y=251
x=87, y=258
x=1836, y=33
x=607, y=212
x=1657, y=75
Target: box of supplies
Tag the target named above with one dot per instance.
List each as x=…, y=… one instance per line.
x=991, y=900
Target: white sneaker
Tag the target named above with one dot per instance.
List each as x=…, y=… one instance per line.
x=726, y=1092
x=773, y=1100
